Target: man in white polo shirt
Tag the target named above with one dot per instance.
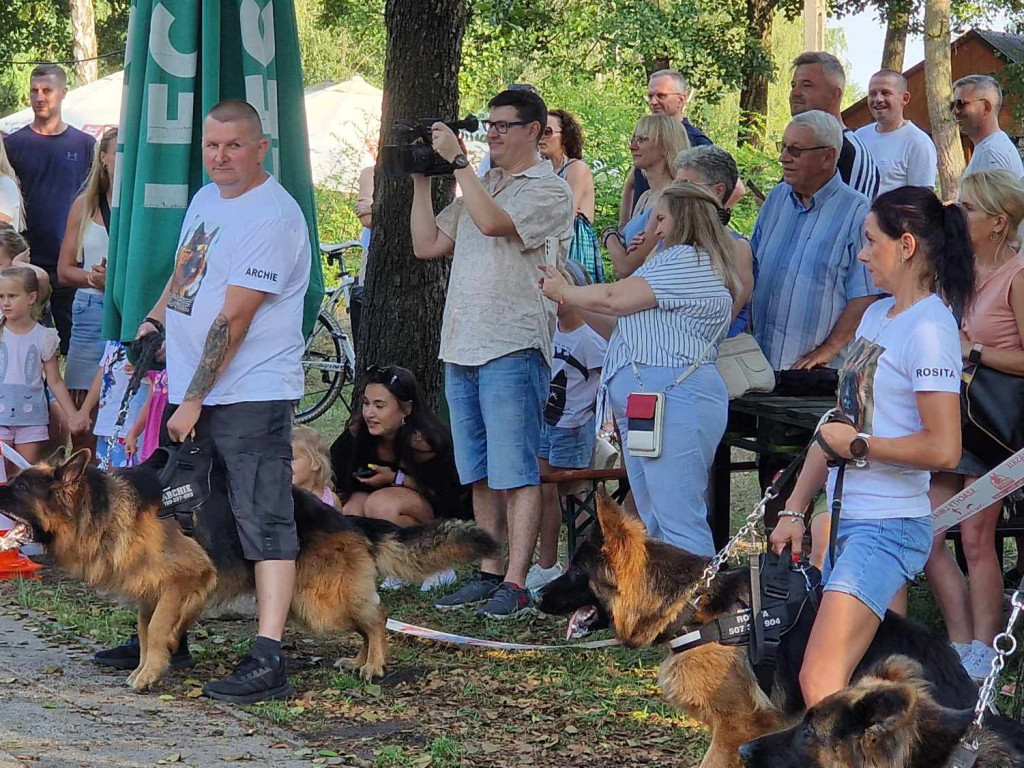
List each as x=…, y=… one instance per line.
x=904, y=154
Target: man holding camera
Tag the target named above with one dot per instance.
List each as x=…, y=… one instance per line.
x=497, y=333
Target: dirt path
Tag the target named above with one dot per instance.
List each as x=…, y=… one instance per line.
x=58, y=710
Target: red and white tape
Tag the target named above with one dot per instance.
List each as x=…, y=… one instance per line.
x=983, y=492
x=447, y=637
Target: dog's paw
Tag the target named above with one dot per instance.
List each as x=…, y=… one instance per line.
x=369, y=672
x=142, y=680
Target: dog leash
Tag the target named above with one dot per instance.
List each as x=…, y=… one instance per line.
x=965, y=755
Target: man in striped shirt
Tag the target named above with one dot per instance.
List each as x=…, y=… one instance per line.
x=811, y=290
x=818, y=83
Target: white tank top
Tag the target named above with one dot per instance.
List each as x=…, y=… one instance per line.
x=94, y=250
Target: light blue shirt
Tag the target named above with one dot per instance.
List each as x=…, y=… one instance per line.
x=807, y=268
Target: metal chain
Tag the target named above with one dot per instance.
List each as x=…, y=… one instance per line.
x=1005, y=644
x=749, y=528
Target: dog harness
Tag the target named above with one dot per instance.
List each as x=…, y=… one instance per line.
x=185, y=480
x=780, y=591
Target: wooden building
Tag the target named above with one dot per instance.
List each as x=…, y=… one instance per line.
x=978, y=52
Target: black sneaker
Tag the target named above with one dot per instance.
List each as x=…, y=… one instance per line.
x=126, y=656
x=474, y=591
x=507, y=601
x=254, y=679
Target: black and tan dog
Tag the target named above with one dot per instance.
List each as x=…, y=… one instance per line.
x=887, y=719
x=645, y=587
x=103, y=528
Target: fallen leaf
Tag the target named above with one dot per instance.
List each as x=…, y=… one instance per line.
x=175, y=758
x=49, y=705
x=327, y=753
x=165, y=697
x=194, y=693
x=303, y=752
x=373, y=689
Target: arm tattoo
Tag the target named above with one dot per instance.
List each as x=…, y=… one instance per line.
x=218, y=342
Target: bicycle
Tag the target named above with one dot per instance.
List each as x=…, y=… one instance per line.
x=329, y=358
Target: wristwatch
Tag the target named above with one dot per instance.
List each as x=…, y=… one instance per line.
x=859, y=449
x=460, y=161
x=975, y=355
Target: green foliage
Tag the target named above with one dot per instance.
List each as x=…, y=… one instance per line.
x=337, y=41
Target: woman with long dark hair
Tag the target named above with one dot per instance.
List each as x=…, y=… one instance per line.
x=394, y=460
x=902, y=379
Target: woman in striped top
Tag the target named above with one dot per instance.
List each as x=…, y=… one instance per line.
x=666, y=317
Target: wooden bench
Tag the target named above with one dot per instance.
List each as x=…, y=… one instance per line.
x=577, y=496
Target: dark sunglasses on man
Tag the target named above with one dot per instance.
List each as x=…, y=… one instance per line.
x=957, y=105
x=795, y=151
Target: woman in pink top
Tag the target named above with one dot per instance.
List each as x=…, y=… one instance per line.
x=991, y=333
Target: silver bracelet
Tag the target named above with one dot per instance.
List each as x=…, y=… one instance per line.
x=791, y=514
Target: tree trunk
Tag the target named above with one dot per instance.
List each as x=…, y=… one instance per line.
x=895, y=48
x=83, y=41
x=939, y=91
x=758, y=66
x=404, y=297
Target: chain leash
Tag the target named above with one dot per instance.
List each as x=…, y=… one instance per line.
x=749, y=528
x=1005, y=644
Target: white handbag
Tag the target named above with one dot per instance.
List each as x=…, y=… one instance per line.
x=744, y=367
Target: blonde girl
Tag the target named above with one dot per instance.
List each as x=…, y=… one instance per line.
x=12, y=205
x=82, y=264
x=311, y=464
x=28, y=353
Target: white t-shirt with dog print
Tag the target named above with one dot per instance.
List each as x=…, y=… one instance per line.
x=890, y=360
x=258, y=240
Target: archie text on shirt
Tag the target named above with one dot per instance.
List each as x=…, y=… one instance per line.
x=261, y=274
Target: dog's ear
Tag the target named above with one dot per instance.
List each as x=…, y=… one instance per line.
x=898, y=669
x=72, y=470
x=880, y=712
x=58, y=457
x=625, y=540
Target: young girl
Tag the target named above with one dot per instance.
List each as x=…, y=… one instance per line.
x=28, y=351
x=14, y=252
x=108, y=388
x=147, y=423
x=311, y=464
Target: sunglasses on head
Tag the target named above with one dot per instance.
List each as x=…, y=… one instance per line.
x=387, y=376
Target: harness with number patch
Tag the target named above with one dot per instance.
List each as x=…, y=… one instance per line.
x=185, y=483
x=780, y=591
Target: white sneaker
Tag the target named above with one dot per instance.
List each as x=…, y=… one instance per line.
x=537, y=578
x=391, y=584
x=439, y=579
x=979, y=662
x=963, y=650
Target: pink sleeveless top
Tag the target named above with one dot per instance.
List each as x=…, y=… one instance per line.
x=990, y=320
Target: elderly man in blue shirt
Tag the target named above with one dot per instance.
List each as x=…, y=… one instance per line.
x=811, y=290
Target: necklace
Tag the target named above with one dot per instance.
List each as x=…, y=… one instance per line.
x=888, y=319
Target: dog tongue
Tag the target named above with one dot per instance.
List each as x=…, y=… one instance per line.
x=581, y=623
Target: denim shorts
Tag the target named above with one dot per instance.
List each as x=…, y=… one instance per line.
x=496, y=412
x=568, y=447
x=876, y=558
x=86, y=347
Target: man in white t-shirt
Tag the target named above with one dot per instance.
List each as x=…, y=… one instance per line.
x=975, y=107
x=904, y=154
x=233, y=311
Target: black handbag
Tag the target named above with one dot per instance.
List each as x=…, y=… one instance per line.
x=992, y=411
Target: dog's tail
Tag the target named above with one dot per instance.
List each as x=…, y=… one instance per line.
x=414, y=553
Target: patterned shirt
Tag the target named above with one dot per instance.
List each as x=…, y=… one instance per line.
x=494, y=307
x=807, y=268
x=693, y=308
x=857, y=167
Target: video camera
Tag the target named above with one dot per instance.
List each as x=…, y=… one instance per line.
x=413, y=152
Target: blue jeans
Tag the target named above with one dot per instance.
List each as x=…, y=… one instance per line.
x=496, y=412
x=85, y=349
x=568, y=447
x=669, y=491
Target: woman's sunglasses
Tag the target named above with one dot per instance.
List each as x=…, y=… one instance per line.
x=387, y=376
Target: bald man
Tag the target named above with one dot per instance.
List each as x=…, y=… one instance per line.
x=904, y=154
x=975, y=107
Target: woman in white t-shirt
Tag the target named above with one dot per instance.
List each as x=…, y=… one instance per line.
x=12, y=206
x=900, y=386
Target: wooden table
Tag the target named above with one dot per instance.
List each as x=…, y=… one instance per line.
x=755, y=423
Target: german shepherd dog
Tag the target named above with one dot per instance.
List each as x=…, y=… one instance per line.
x=888, y=719
x=103, y=528
x=644, y=588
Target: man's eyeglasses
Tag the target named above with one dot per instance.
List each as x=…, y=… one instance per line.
x=638, y=140
x=655, y=96
x=957, y=105
x=795, y=151
x=502, y=126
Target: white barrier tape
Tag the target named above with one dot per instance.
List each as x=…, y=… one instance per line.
x=13, y=456
x=983, y=492
x=448, y=637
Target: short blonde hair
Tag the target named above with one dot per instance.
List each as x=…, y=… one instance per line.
x=308, y=442
x=997, y=191
x=667, y=134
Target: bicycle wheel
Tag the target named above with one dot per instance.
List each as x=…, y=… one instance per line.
x=327, y=370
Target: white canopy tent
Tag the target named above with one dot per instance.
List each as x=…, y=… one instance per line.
x=92, y=108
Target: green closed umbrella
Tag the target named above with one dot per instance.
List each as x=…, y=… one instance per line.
x=182, y=57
